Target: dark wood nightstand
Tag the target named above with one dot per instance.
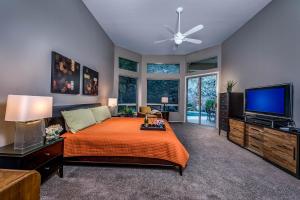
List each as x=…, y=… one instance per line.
x=165, y=115
x=46, y=158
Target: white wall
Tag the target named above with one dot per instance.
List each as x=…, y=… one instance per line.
x=29, y=31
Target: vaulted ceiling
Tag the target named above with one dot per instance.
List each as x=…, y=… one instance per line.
x=136, y=24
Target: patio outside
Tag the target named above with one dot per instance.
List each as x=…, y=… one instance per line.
x=202, y=109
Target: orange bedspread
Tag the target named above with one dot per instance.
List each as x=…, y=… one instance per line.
x=123, y=137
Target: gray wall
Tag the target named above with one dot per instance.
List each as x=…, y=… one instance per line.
x=171, y=59
x=29, y=31
x=266, y=50
x=143, y=76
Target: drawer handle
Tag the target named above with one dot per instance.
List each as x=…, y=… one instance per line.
x=294, y=153
x=47, y=154
x=47, y=168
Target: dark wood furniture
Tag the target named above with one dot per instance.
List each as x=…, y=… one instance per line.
x=231, y=105
x=279, y=147
x=165, y=115
x=122, y=161
x=104, y=160
x=19, y=184
x=46, y=158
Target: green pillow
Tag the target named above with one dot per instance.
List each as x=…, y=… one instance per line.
x=78, y=119
x=101, y=113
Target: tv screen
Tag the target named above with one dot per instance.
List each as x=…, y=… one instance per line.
x=272, y=100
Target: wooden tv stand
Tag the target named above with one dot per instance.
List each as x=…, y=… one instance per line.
x=279, y=147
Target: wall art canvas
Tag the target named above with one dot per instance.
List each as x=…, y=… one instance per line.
x=90, y=82
x=65, y=75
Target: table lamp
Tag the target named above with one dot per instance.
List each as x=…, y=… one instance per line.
x=164, y=100
x=112, y=103
x=28, y=112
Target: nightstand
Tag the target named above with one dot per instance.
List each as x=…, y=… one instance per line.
x=46, y=158
x=165, y=115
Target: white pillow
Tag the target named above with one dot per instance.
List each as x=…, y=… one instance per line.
x=101, y=113
x=78, y=119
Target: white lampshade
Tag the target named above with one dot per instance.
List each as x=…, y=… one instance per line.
x=112, y=102
x=22, y=108
x=164, y=100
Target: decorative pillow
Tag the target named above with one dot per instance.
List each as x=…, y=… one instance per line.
x=101, y=113
x=78, y=119
x=145, y=109
x=153, y=112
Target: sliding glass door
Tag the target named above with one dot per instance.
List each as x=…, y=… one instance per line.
x=201, y=100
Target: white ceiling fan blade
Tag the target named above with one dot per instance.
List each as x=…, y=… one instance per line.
x=169, y=29
x=195, y=41
x=193, y=30
x=161, y=41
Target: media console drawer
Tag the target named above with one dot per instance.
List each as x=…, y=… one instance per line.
x=281, y=148
x=236, y=132
x=254, y=138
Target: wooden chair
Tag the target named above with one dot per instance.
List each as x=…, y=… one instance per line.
x=19, y=184
x=146, y=110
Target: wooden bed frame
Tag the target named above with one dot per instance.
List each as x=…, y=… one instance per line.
x=105, y=160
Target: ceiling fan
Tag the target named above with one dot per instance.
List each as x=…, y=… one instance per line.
x=179, y=37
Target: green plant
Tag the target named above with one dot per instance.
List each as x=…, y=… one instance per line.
x=128, y=111
x=230, y=85
x=210, y=105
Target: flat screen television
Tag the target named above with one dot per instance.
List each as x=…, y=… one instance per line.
x=275, y=101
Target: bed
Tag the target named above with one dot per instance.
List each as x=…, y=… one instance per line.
x=119, y=140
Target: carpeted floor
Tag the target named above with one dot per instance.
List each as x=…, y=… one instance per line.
x=217, y=169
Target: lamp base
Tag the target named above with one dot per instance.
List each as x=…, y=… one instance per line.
x=29, y=134
x=113, y=110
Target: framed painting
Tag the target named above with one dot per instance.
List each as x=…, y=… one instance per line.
x=65, y=75
x=90, y=82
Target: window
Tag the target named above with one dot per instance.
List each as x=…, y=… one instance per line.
x=163, y=68
x=128, y=64
x=163, y=88
x=206, y=64
x=127, y=93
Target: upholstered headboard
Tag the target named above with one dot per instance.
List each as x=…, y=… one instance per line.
x=57, y=117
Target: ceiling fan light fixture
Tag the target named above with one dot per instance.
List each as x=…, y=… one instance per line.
x=178, y=41
x=179, y=37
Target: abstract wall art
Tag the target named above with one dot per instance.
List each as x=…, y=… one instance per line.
x=65, y=75
x=90, y=82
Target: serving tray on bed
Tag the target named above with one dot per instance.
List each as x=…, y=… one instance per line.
x=152, y=127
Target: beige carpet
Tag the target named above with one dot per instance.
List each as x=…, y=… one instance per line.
x=217, y=169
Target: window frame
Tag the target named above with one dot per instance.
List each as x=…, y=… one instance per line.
x=136, y=96
x=137, y=64
x=168, y=104
x=162, y=73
